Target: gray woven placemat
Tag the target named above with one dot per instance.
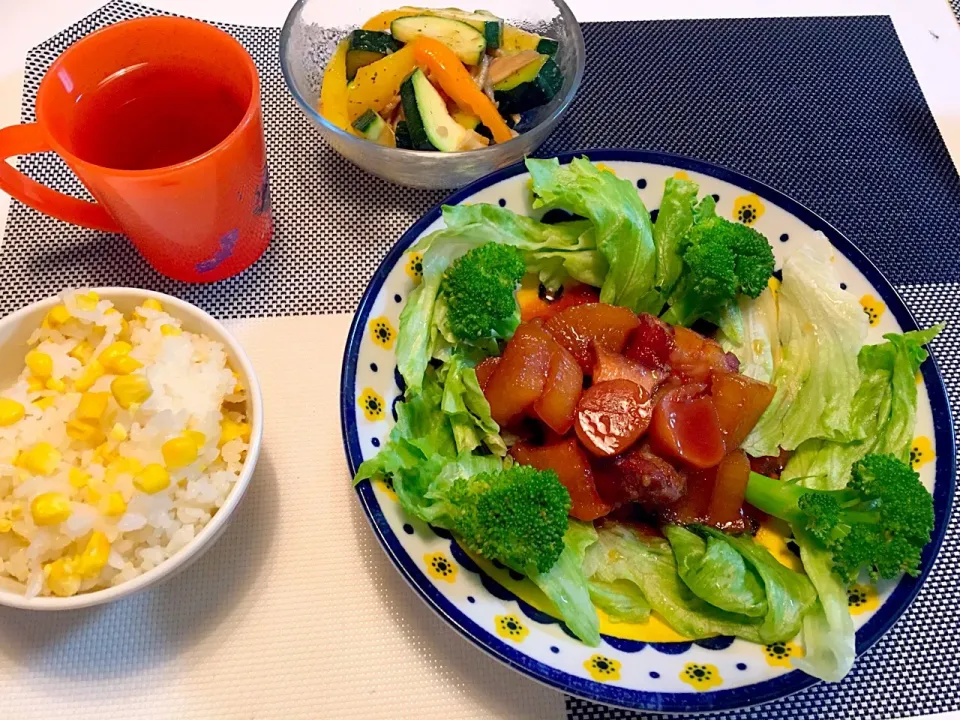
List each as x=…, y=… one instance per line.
x=825, y=109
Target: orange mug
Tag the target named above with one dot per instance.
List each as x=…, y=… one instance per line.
x=160, y=119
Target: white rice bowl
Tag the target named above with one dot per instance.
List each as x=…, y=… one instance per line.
x=111, y=532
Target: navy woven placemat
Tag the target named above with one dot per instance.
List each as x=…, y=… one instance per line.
x=826, y=110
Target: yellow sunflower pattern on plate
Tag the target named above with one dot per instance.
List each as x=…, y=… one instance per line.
x=747, y=209
x=382, y=332
x=414, y=266
x=681, y=175
x=372, y=404
x=778, y=654
x=509, y=627
x=701, y=676
x=862, y=598
x=440, y=566
x=603, y=668
x=873, y=307
x=921, y=452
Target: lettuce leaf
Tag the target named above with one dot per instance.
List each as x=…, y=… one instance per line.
x=566, y=585
x=829, y=637
x=716, y=572
x=821, y=331
x=622, y=227
x=884, y=408
x=467, y=409
x=758, y=345
x=621, y=600
x=674, y=219
x=623, y=554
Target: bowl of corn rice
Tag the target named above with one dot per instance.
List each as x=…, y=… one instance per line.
x=130, y=425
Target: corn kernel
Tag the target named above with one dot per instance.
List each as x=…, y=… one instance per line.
x=124, y=325
x=179, y=451
x=87, y=301
x=230, y=430
x=94, y=556
x=91, y=373
x=57, y=316
x=78, y=478
x=44, y=402
x=238, y=386
x=10, y=412
x=39, y=363
x=116, y=359
x=113, y=505
x=62, y=578
x=85, y=431
x=55, y=385
x=42, y=459
x=92, y=405
x=118, y=433
x=5, y=525
x=170, y=330
x=104, y=455
x=198, y=437
x=122, y=464
x=82, y=352
x=50, y=508
x=35, y=384
x=93, y=495
x=153, y=478
x=129, y=390
x=152, y=304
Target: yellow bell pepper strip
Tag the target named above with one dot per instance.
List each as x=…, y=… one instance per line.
x=378, y=83
x=382, y=22
x=456, y=82
x=333, y=92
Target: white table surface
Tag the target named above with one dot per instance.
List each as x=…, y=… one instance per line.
x=198, y=671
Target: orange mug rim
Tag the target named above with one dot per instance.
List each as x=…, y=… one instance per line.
x=248, y=116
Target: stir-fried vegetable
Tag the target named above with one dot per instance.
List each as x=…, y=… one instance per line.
x=484, y=73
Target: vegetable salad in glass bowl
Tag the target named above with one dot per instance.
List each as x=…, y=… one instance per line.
x=433, y=97
x=640, y=416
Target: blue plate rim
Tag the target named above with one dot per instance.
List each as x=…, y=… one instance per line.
x=734, y=698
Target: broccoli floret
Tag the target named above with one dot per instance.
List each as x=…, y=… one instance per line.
x=480, y=289
x=517, y=516
x=722, y=259
x=881, y=521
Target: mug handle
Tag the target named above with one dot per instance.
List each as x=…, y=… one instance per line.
x=26, y=139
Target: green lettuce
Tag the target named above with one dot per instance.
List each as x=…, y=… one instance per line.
x=821, y=330
x=623, y=554
x=467, y=409
x=716, y=572
x=829, y=637
x=622, y=227
x=674, y=219
x=758, y=345
x=884, y=408
x=621, y=600
x=566, y=585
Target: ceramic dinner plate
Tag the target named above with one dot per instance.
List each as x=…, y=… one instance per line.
x=637, y=666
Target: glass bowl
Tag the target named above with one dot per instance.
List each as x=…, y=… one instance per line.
x=310, y=36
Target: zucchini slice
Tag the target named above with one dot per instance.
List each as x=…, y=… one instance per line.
x=431, y=125
x=373, y=128
x=366, y=47
x=403, y=136
x=467, y=43
x=516, y=40
x=533, y=85
x=488, y=24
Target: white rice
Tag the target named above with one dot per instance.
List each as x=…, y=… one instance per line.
x=193, y=389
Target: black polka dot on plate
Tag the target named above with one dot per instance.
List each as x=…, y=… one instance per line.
x=654, y=674
x=397, y=298
x=408, y=528
x=653, y=215
x=471, y=599
x=716, y=198
x=843, y=286
x=375, y=442
x=741, y=666
x=373, y=366
x=554, y=649
x=503, y=202
x=784, y=237
x=642, y=183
